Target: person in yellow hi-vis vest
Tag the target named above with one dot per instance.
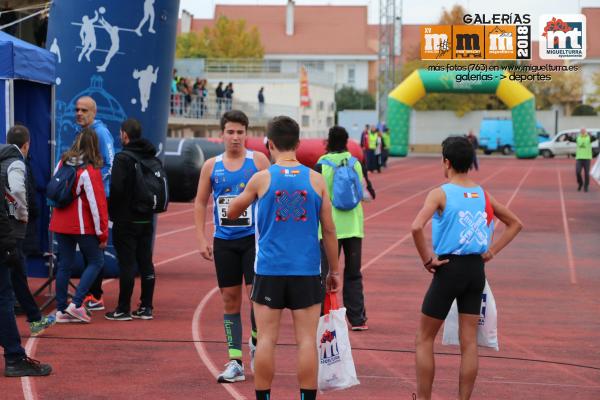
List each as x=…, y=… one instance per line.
x=583, y=157
x=387, y=142
x=371, y=159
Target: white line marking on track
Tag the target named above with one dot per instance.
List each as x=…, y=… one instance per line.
x=204, y=357
x=568, y=242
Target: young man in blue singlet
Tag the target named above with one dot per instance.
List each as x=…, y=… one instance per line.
x=292, y=200
x=226, y=176
x=462, y=231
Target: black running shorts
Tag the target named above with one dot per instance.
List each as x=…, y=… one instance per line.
x=463, y=279
x=293, y=292
x=234, y=260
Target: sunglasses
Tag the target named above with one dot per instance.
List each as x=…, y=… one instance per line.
x=81, y=109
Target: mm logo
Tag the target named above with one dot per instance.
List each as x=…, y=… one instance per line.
x=468, y=41
x=507, y=42
x=562, y=36
x=436, y=42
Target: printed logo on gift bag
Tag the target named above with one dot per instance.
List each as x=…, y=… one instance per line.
x=483, y=306
x=328, y=348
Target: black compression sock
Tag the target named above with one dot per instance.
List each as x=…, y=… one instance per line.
x=263, y=394
x=308, y=394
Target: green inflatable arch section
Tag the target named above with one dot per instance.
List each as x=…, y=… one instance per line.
x=520, y=100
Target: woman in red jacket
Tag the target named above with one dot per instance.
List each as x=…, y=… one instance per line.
x=84, y=222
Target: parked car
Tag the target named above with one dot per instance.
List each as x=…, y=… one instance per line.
x=496, y=134
x=563, y=144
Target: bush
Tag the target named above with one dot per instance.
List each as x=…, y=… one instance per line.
x=584, y=109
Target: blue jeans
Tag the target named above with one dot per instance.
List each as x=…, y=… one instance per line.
x=89, y=246
x=9, y=333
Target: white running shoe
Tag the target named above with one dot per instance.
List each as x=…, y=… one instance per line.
x=64, y=318
x=234, y=372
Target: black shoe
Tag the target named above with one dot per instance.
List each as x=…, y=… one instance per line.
x=26, y=367
x=585, y=189
x=579, y=187
x=142, y=313
x=118, y=316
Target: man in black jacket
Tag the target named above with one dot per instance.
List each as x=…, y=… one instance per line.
x=132, y=231
x=15, y=360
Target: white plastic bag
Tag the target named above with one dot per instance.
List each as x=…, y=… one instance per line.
x=487, y=333
x=595, y=172
x=336, y=366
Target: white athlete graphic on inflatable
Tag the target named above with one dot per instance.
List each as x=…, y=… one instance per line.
x=146, y=78
x=55, y=49
x=88, y=36
x=148, y=15
x=87, y=33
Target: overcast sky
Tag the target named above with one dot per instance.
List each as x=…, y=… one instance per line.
x=417, y=11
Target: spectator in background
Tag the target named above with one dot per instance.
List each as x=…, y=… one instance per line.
x=475, y=143
x=15, y=179
x=349, y=228
x=132, y=231
x=219, y=93
x=228, y=96
x=371, y=147
x=83, y=223
x=387, y=142
x=261, y=100
x=85, y=117
x=583, y=158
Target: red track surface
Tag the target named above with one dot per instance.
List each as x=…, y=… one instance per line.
x=546, y=294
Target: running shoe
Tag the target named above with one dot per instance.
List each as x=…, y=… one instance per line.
x=358, y=328
x=93, y=304
x=64, y=318
x=234, y=372
x=252, y=353
x=38, y=327
x=26, y=367
x=142, y=313
x=78, y=312
x=118, y=316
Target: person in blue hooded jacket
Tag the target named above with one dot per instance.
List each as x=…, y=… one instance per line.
x=85, y=117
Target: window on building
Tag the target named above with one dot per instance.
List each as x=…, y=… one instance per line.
x=321, y=106
x=305, y=121
x=313, y=65
x=329, y=121
x=351, y=74
x=332, y=106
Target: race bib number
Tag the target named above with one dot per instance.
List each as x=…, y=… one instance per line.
x=243, y=220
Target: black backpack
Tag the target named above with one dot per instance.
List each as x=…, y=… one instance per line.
x=150, y=191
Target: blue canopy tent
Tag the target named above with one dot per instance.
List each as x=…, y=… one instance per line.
x=27, y=77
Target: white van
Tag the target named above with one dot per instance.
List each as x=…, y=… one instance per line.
x=563, y=144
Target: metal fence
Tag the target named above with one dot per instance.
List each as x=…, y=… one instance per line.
x=211, y=107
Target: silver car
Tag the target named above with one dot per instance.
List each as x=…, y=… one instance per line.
x=563, y=144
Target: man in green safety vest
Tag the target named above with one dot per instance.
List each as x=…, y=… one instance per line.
x=371, y=159
x=583, y=158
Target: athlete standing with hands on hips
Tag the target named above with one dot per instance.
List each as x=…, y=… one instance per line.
x=226, y=176
x=462, y=230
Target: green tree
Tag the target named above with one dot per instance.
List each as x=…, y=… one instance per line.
x=348, y=98
x=565, y=89
x=595, y=97
x=225, y=39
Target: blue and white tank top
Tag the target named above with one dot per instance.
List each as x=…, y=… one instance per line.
x=227, y=185
x=466, y=224
x=287, y=225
